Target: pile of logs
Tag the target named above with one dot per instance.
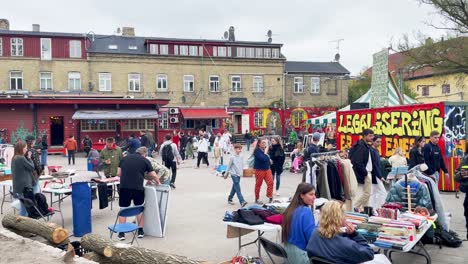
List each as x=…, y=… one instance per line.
x=100, y=249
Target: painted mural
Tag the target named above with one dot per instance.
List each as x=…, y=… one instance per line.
x=455, y=130
x=273, y=124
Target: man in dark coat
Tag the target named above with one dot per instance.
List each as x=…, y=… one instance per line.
x=433, y=156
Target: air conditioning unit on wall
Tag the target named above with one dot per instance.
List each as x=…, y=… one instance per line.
x=174, y=120
x=173, y=111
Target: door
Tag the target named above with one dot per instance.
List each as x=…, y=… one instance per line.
x=46, y=49
x=56, y=130
x=238, y=124
x=245, y=123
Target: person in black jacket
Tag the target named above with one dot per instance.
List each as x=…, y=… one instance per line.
x=416, y=156
x=277, y=157
x=433, y=156
x=360, y=155
x=183, y=144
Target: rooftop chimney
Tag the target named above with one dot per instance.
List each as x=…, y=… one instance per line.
x=36, y=27
x=128, y=31
x=4, y=24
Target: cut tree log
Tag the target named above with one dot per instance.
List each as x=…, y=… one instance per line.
x=96, y=257
x=50, y=231
x=125, y=253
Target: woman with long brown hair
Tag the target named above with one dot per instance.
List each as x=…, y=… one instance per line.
x=22, y=168
x=299, y=223
x=330, y=243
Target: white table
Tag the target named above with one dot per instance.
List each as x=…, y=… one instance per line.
x=4, y=184
x=244, y=229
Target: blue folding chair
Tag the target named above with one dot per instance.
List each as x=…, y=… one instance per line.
x=126, y=227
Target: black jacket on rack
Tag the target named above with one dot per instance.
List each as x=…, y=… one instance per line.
x=334, y=181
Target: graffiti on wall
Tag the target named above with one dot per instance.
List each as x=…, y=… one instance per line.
x=20, y=133
x=274, y=123
x=455, y=130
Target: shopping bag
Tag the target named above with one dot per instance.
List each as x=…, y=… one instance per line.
x=378, y=195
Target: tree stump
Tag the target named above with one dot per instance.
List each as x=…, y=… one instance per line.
x=125, y=253
x=50, y=231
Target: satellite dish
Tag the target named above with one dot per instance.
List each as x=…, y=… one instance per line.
x=269, y=33
x=337, y=57
x=270, y=40
x=226, y=35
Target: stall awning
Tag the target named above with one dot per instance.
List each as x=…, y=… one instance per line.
x=204, y=113
x=114, y=114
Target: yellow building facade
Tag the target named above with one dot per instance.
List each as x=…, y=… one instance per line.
x=437, y=88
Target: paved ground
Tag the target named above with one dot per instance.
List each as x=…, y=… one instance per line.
x=195, y=228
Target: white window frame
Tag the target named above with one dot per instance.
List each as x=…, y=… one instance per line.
x=298, y=85
x=259, y=52
x=163, y=49
x=214, y=84
x=46, y=82
x=315, y=85
x=258, y=84
x=112, y=47
x=222, y=51
x=73, y=79
x=267, y=53
x=184, y=50
x=193, y=50
x=258, y=119
x=75, y=48
x=200, y=50
x=46, y=54
x=275, y=53
x=189, y=83
x=164, y=120
x=16, y=47
x=298, y=117
x=236, y=85
x=16, y=78
x=241, y=52
x=163, y=78
x=153, y=48
x=134, y=82
x=132, y=47
x=105, y=81
x=1, y=47
x=250, y=52
x=98, y=125
x=176, y=49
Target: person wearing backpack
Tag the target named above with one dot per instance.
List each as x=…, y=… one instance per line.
x=461, y=176
x=170, y=157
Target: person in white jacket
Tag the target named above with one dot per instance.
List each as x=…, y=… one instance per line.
x=203, y=151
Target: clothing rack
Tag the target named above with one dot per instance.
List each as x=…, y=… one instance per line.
x=325, y=153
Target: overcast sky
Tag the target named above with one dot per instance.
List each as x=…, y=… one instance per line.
x=304, y=27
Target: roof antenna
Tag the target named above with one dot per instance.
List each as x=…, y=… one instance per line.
x=337, y=55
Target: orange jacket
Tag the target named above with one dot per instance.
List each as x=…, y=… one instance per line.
x=70, y=144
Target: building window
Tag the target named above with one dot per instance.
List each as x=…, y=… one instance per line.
x=189, y=83
x=74, y=81
x=139, y=124
x=98, y=125
x=298, y=85
x=75, y=49
x=176, y=49
x=315, y=85
x=240, y=52
x=249, y=52
x=258, y=119
x=193, y=51
x=215, y=123
x=163, y=120
x=161, y=80
x=425, y=91
x=134, y=82
x=298, y=117
x=259, y=52
x=1, y=47
x=163, y=49
x=200, y=50
x=45, y=81
x=16, y=47
x=105, y=82
x=236, y=85
x=184, y=50
x=258, y=84
x=267, y=53
x=214, y=83
x=132, y=47
x=275, y=53
x=112, y=47
x=189, y=123
x=222, y=52
x=446, y=88
x=153, y=48
x=16, y=80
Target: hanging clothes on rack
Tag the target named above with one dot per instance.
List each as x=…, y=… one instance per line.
x=334, y=182
x=419, y=193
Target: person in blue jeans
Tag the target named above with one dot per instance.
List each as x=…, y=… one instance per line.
x=248, y=139
x=235, y=168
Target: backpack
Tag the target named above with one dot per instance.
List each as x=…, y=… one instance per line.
x=449, y=238
x=167, y=154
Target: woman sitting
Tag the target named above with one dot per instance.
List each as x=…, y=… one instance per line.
x=298, y=223
x=297, y=156
x=328, y=243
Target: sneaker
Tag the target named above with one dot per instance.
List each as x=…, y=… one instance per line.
x=141, y=233
x=259, y=202
x=172, y=185
x=243, y=204
x=270, y=200
x=277, y=194
x=231, y=202
x=121, y=236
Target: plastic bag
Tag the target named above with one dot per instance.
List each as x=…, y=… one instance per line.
x=378, y=195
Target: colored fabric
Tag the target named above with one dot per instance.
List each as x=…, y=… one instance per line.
x=301, y=227
x=260, y=176
x=133, y=168
x=70, y=144
x=262, y=160
x=419, y=194
x=164, y=173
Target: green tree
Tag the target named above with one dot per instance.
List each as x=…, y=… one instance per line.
x=358, y=88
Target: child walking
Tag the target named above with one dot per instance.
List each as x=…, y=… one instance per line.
x=235, y=168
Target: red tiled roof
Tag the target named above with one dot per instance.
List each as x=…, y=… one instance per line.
x=203, y=113
x=399, y=60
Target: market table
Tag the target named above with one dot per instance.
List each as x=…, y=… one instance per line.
x=4, y=184
x=235, y=229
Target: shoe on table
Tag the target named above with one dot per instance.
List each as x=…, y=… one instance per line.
x=141, y=233
x=243, y=204
x=231, y=202
x=121, y=236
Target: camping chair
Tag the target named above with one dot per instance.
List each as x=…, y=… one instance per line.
x=127, y=227
x=319, y=260
x=31, y=205
x=273, y=248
